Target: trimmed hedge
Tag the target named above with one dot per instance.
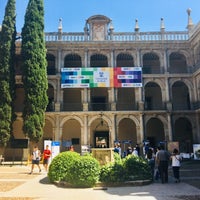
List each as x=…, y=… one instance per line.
x=76, y=170
x=85, y=171
x=131, y=168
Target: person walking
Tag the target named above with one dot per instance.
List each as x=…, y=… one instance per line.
x=35, y=156
x=46, y=157
x=176, y=163
x=162, y=159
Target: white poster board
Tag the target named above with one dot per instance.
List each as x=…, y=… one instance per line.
x=55, y=148
x=196, y=150
x=85, y=149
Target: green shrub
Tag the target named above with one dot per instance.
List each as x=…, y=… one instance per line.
x=136, y=168
x=126, y=169
x=113, y=172
x=85, y=172
x=78, y=171
x=60, y=166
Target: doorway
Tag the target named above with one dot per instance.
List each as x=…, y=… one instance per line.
x=101, y=139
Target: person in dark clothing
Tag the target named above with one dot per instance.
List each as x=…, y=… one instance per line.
x=151, y=161
x=162, y=159
x=129, y=151
x=138, y=149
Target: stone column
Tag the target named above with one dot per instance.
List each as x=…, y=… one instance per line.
x=140, y=130
x=112, y=59
x=168, y=133
x=111, y=97
x=84, y=99
x=166, y=61
x=57, y=131
x=86, y=58
x=138, y=61
x=167, y=95
x=84, y=131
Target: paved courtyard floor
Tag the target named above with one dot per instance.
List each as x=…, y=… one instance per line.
x=17, y=184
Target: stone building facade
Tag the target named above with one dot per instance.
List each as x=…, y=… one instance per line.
x=166, y=108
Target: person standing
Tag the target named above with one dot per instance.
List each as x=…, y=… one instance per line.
x=151, y=161
x=129, y=151
x=135, y=152
x=138, y=149
x=162, y=159
x=46, y=157
x=35, y=156
x=176, y=163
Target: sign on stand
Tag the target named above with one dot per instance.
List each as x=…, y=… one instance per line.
x=196, y=150
x=55, y=148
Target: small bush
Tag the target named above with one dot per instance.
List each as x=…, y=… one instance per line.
x=136, y=168
x=78, y=171
x=127, y=169
x=85, y=172
x=113, y=172
x=60, y=166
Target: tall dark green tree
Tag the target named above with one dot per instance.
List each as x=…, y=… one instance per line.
x=34, y=70
x=7, y=74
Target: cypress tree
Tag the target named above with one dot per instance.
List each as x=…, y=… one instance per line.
x=34, y=70
x=7, y=74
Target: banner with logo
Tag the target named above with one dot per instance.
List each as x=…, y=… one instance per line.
x=101, y=77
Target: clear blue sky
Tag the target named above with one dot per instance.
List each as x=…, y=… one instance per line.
x=122, y=12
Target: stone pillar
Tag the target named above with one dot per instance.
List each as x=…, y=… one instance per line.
x=59, y=60
x=140, y=129
x=165, y=61
x=58, y=129
x=88, y=134
x=138, y=61
x=167, y=95
x=111, y=99
x=112, y=60
x=112, y=131
x=84, y=131
x=84, y=99
x=86, y=58
x=168, y=133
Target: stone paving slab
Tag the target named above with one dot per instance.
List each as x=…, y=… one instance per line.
x=37, y=186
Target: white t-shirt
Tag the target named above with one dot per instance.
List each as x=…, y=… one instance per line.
x=176, y=161
x=36, y=155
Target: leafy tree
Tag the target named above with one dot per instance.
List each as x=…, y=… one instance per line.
x=34, y=70
x=7, y=74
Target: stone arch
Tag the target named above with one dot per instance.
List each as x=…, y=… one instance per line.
x=177, y=62
x=104, y=117
x=155, y=127
x=180, y=96
x=183, y=133
x=71, y=117
x=98, y=60
x=71, y=130
x=51, y=64
x=133, y=118
x=72, y=60
x=124, y=60
x=151, y=63
x=153, y=96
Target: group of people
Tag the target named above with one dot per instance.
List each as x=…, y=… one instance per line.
x=129, y=151
x=36, y=157
x=158, y=160
x=159, y=163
